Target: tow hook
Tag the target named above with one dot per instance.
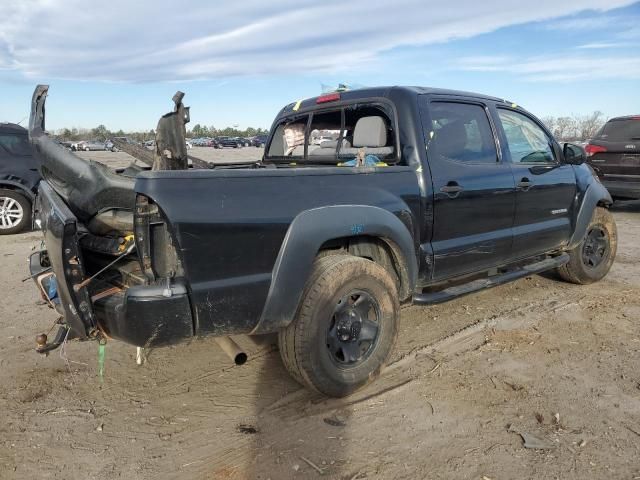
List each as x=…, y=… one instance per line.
x=42, y=344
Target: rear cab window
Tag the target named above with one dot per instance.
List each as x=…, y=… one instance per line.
x=356, y=134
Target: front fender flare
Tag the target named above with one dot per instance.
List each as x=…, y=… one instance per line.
x=595, y=194
x=306, y=234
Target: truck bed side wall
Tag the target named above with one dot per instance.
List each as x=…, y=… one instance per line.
x=229, y=226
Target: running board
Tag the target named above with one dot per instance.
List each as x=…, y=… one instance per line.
x=483, y=283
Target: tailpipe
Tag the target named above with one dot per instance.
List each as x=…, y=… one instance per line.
x=232, y=349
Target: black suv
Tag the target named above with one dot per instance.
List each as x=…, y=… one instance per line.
x=615, y=155
x=19, y=178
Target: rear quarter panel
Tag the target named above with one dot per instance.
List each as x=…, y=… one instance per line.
x=229, y=226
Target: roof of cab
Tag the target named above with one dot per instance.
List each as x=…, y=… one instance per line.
x=12, y=128
x=372, y=92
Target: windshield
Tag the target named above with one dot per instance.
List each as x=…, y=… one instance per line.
x=15, y=144
x=620, y=130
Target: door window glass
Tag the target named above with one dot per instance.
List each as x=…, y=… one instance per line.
x=15, y=144
x=526, y=140
x=461, y=132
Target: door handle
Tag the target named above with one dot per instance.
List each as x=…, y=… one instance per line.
x=452, y=189
x=524, y=184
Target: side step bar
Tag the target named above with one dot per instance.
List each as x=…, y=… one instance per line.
x=459, y=290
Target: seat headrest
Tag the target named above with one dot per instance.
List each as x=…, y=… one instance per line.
x=451, y=139
x=370, y=132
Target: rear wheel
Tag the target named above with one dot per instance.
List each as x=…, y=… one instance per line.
x=15, y=212
x=345, y=327
x=591, y=260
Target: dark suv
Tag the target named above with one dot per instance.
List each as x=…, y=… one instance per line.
x=615, y=155
x=19, y=178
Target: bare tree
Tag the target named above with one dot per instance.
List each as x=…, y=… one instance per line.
x=550, y=123
x=588, y=126
x=565, y=128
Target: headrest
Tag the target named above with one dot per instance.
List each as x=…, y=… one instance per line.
x=451, y=139
x=370, y=132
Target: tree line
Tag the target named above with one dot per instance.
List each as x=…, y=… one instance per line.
x=577, y=128
x=573, y=128
x=102, y=133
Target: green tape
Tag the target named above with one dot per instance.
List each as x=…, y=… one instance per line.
x=101, y=351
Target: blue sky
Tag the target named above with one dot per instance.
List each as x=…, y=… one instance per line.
x=239, y=63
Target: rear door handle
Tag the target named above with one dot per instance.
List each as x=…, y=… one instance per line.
x=452, y=189
x=524, y=184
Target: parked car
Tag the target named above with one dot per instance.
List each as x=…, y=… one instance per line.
x=92, y=145
x=615, y=155
x=428, y=195
x=19, y=178
x=233, y=142
x=259, y=141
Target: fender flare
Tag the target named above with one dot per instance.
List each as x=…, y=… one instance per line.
x=306, y=234
x=15, y=185
x=596, y=193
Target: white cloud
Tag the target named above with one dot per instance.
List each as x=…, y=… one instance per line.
x=557, y=68
x=602, y=45
x=167, y=40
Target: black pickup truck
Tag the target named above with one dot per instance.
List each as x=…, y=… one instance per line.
x=413, y=195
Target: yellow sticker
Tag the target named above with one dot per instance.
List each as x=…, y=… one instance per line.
x=296, y=107
x=514, y=105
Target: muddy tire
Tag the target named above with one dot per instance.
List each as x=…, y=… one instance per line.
x=15, y=212
x=591, y=260
x=345, y=327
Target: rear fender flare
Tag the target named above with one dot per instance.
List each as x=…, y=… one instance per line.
x=15, y=185
x=306, y=234
x=595, y=195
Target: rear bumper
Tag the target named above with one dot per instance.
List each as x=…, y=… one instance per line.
x=146, y=316
x=623, y=189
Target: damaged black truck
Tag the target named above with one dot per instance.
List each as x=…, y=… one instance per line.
x=363, y=200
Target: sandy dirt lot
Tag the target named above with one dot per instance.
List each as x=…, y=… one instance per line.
x=537, y=359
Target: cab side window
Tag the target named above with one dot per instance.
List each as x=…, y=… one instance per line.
x=288, y=140
x=461, y=132
x=526, y=140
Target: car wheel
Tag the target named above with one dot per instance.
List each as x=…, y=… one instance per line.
x=86, y=149
x=591, y=260
x=15, y=212
x=345, y=327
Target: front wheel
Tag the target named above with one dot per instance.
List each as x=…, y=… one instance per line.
x=345, y=327
x=15, y=212
x=591, y=260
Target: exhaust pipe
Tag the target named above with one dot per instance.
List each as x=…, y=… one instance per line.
x=232, y=349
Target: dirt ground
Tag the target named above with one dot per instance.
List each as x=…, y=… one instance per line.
x=537, y=359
